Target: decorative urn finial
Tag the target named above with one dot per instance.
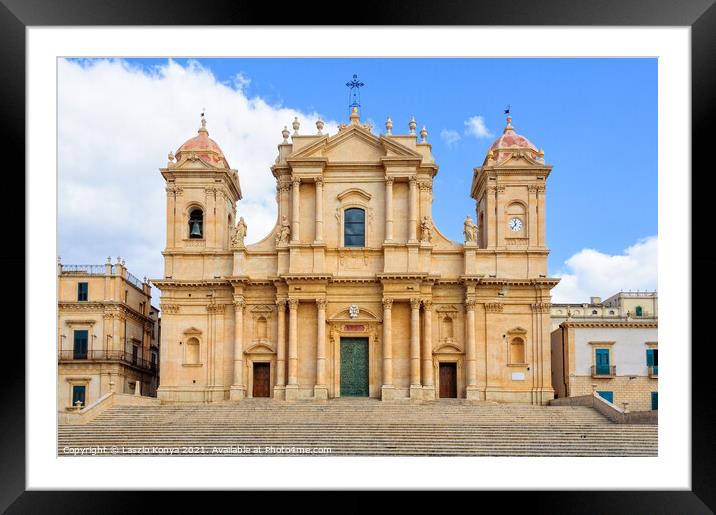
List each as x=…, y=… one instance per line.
x=423, y=134
x=412, y=125
x=388, y=126
x=285, y=134
x=319, y=126
x=296, y=125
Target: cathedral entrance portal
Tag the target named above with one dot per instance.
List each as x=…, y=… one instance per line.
x=354, y=367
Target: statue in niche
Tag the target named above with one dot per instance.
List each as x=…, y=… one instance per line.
x=426, y=230
x=284, y=232
x=470, y=230
x=239, y=233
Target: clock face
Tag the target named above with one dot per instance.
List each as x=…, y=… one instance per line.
x=515, y=224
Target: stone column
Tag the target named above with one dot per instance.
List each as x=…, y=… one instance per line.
x=471, y=351
x=320, y=390
x=388, y=209
x=319, y=210
x=292, y=387
x=238, y=389
x=387, y=392
x=295, y=213
x=428, y=387
x=413, y=211
x=281, y=351
x=415, y=387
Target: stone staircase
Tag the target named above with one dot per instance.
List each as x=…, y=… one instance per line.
x=358, y=427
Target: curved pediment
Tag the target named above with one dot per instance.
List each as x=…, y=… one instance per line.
x=260, y=348
x=448, y=348
x=192, y=330
x=517, y=330
x=357, y=192
x=364, y=315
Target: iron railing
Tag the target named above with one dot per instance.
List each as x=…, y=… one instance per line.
x=83, y=269
x=653, y=370
x=604, y=370
x=101, y=355
x=133, y=280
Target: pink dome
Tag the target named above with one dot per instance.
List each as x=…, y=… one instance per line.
x=508, y=142
x=203, y=146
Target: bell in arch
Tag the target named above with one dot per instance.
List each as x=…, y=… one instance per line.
x=195, y=230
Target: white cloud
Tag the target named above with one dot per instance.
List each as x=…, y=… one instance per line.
x=475, y=126
x=116, y=125
x=591, y=273
x=450, y=137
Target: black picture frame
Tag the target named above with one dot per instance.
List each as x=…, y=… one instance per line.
x=700, y=15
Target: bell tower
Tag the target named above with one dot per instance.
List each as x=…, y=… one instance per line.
x=202, y=192
x=509, y=190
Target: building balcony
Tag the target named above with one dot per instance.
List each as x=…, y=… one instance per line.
x=93, y=356
x=604, y=370
x=653, y=371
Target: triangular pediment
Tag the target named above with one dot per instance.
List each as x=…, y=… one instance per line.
x=259, y=348
x=519, y=160
x=352, y=144
x=193, y=164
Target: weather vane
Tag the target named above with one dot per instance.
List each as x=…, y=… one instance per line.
x=507, y=111
x=354, y=93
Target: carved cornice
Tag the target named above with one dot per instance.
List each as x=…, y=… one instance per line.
x=215, y=308
x=541, y=307
x=169, y=308
x=494, y=307
x=606, y=324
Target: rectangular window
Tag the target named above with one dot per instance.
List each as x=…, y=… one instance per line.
x=654, y=400
x=652, y=360
x=78, y=394
x=79, y=349
x=82, y=291
x=607, y=396
x=602, y=362
x=154, y=361
x=135, y=353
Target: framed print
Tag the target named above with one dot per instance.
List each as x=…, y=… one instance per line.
x=330, y=278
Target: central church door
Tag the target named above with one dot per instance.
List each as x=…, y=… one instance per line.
x=262, y=380
x=354, y=367
x=448, y=380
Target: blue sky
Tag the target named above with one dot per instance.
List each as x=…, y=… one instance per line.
x=596, y=120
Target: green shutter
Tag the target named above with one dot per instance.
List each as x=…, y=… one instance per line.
x=655, y=400
x=649, y=357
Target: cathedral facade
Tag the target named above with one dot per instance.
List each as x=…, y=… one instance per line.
x=356, y=292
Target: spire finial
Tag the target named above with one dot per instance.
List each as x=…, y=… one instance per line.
x=355, y=117
x=509, y=120
x=203, y=122
x=285, y=134
x=423, y=134
x=354, y=93
x=388, y=126
x=296, y=125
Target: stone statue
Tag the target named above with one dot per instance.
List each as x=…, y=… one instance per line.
x=284, y=232
x=239, y=233
x=426, y=230
x=470, y=230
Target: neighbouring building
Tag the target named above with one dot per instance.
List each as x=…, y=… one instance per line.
x=611, y=347
x=355, y=292
x=625, y=305
x=108, y=333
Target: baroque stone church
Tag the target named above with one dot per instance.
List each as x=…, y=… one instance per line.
x=356, y=292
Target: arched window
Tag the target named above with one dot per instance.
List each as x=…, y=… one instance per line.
x=354, y=227
x=517, y=350
x=638, y=311
x=594, y=312
x=192, y=351
x=196, y=224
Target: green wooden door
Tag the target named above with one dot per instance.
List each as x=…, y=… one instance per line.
x=354, y=367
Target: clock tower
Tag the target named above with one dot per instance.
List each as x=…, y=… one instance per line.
x=509, y=189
